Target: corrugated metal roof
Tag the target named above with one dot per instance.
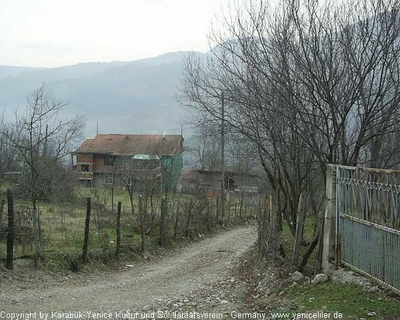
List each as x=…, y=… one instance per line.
x=145, y=157
x=130, y=144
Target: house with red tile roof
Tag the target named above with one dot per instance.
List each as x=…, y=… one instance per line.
x=103, y=160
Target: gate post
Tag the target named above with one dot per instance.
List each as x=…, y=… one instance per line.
x=328, y=251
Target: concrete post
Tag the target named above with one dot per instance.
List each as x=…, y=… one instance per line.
x=328, y=251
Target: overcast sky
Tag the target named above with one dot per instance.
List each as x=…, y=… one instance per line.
x=50, y=33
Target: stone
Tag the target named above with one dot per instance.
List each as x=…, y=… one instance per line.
x=297, y=276
x=320, y=278
x=374, y=289
x=343, y=276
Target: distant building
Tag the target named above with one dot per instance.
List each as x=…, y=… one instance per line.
x=109, y=158
x=237, y=185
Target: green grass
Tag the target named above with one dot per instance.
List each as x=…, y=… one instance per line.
x=350, y=300
x=287, y=240
x=105, y=195
x=63, y=240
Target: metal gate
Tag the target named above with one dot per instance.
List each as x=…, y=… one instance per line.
x=368, y=222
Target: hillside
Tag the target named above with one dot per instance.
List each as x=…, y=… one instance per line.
x=136, y=96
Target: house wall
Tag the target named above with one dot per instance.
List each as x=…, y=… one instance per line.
x=98, y=163
x=101, y=173
x=95, y=161
x=84, y=159
x=85, y=177
x=173, y=170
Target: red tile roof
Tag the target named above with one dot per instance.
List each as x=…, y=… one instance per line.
x=131, y=144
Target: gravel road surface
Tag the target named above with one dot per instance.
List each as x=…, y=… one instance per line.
x=198, y=281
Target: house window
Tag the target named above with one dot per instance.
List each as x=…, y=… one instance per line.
x=126, y=162
x=109, y=160
x=145, y=164
x=84, y=167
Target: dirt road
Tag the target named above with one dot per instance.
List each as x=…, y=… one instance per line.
x=199, y=278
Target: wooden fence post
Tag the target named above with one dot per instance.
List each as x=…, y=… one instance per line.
x=176, y=222
x=217, y=213
x=2, y=211
x=318, y=259
x=235, y=211
x=212, y=215
x=118, y=250
x=10, y=231
x=274, y=236
x=162, y=220
x=87, y=228
x=209, y=214
x=229, y=210
x=241, y=205
x=141, y=221
x=189, y=218
x=299, y=232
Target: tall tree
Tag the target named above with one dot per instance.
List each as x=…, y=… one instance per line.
x=7, y=157
x=307, y=84
x=41, y=138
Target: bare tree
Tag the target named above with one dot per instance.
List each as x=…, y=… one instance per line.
x=308, y=84
x=7, y=156
x=205, y=147
x=41, y=138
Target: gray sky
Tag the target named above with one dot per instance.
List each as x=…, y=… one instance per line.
x=49, y=33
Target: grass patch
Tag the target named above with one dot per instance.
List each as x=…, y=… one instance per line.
x=62, y=225
x=350, y=300
x=286, y=239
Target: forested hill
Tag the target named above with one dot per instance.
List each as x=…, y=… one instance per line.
x=121, y=97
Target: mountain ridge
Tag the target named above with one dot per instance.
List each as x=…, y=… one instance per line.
x=118, y=96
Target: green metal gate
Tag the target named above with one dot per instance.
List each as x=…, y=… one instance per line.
x=368, y=222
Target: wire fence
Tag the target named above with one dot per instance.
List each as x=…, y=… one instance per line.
x=162, y=220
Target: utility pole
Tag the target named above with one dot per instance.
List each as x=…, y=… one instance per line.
x=222, y=158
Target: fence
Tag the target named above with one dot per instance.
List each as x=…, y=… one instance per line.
x=368, y=222
x=115, y=233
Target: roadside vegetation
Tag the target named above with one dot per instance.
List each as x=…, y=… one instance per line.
x=350, y=300
x=354, y=296
x=187, y=218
